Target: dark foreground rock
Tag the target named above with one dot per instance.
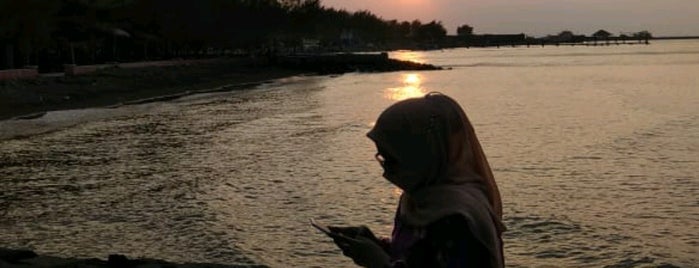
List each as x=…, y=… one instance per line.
x=10, y=258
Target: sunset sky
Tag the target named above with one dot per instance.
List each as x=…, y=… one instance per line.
x=542, y=17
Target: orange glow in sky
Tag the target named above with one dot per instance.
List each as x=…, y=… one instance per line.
x=541, y=17
x=412, y=2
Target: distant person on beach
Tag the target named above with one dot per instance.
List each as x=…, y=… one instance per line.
x=450, y=211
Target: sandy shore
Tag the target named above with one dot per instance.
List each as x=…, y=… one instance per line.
x=115, y=86
x=118, y=86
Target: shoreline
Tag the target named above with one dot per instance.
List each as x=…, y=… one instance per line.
x=108, y=88
x=114, y=87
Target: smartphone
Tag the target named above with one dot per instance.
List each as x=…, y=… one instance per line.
x=322, y=228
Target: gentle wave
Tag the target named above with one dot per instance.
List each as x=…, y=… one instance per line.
x=596, y=166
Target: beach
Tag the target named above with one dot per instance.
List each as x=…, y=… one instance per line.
x=115, y=86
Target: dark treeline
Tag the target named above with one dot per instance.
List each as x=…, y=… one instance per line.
x=50, y=33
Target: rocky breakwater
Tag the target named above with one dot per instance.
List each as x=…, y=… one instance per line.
x=335, y=63
x=26, y=258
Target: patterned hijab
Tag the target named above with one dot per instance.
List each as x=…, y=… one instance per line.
x=430, y=150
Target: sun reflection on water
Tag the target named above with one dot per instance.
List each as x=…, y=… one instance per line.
x=407, y=55
x=411, y=88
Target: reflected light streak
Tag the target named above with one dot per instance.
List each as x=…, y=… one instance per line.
x=407, y=55
x=412, y=79
x=410, y=89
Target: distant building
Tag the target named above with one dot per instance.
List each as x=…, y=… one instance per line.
x=601, y=34
x=491, y=39
x=565, y=37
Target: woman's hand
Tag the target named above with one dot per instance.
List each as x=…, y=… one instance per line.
x=363, y=250
x=354, y=232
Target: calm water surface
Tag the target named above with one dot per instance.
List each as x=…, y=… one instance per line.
x=595, y=151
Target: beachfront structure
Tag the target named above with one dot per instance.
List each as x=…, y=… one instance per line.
x=601, y=34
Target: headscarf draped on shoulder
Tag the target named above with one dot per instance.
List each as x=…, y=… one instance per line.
x=434, y=135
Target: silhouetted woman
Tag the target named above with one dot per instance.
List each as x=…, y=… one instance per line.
x=450, y=210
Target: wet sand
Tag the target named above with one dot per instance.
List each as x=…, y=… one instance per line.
x=116, y=86
x=108, y=87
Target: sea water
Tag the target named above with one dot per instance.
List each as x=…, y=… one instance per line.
x=595, y=151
